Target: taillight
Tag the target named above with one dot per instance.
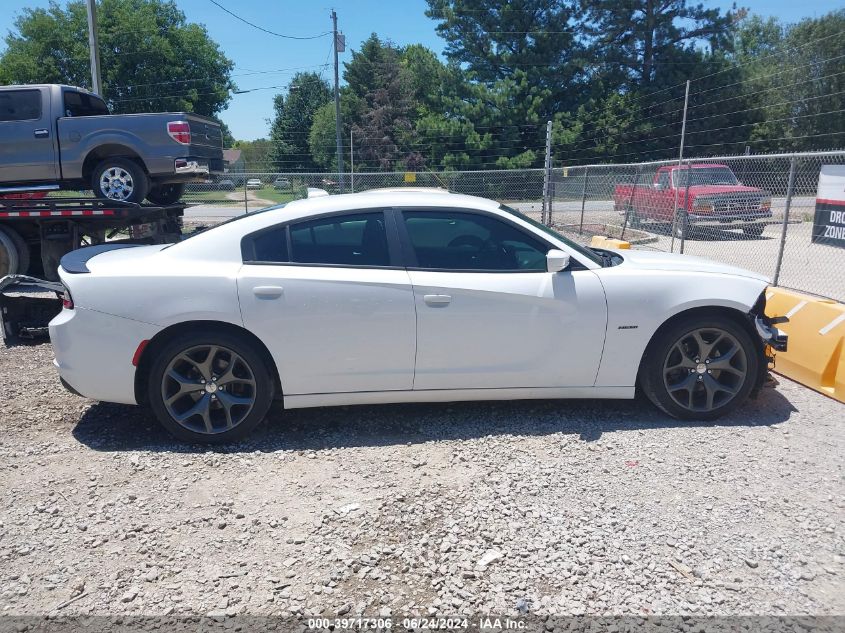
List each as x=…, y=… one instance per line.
x=180, y=132
x=67, y=300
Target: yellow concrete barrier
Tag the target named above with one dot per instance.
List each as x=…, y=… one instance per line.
x=599, y=241
x=816, y=328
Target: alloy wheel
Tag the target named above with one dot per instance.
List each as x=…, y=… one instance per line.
x=208, y=389
x=117, y=183
x=705, y=369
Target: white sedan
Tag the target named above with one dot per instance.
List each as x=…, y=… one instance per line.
x=400, y=296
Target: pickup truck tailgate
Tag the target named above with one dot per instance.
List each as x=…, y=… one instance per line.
x=206, y=138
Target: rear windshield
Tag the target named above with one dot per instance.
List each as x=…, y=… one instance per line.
x=583, y=250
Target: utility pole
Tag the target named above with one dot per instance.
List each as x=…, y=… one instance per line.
x=680, y=160
x=339, y=46
x=94, y=48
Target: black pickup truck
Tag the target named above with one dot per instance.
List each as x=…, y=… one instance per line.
x=60, y=137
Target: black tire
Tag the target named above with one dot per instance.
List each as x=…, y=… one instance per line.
x=168, y=193
x=753, y=230
x=22, y=254
x=135, y=183
x=168, y=357
x=633, y=217
x=682, y=227
x=659, y=354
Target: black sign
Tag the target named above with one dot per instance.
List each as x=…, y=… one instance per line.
x=829, y=223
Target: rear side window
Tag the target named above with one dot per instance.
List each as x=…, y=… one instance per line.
x=445, y=240
x=358, y=239
x=355, y=239
x=20, y=105
x=82, y=104
x=270, y=246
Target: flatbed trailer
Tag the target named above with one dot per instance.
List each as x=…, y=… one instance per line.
x=35, y=233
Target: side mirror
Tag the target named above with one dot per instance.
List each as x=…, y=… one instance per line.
x=556, y=261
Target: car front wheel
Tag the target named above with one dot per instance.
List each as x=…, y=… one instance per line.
x=701, y=368
x=210, y=387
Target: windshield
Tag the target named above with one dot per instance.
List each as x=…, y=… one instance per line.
x=583, y=250
x=704, y=176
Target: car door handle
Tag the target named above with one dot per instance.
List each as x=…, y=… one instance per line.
x=268, y=292
x=41, y=133
x=437, y=300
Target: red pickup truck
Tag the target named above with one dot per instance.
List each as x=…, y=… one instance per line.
x=714, y=198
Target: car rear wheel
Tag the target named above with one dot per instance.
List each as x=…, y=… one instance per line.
x=700, y=368
x=210, y=387
x=14, y=253
x=120, y=179
x=169, y=193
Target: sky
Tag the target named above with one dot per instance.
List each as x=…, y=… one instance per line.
x=264, y=61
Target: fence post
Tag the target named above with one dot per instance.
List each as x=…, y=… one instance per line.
x=630, y=203
x=789, y=187
x=547, y=178
x=583, y=200
x=246, y=205
x=686, y=226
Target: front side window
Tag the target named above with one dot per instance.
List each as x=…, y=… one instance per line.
x=447, y=240
x=357, y=239
x=20, y=105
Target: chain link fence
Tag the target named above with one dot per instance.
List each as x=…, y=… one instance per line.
x=755, y=212
x=253, y=190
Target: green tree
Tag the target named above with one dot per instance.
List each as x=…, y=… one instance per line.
x=294, y=116
x=632, y=39
x=793, y=75
x=256, y=154
x=151, y=57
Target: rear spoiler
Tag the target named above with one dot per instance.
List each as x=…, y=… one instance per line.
x=76, y=262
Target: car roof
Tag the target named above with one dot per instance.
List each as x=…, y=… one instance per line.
x=399, y=196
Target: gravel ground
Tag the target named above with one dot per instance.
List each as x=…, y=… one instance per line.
x=546, y=507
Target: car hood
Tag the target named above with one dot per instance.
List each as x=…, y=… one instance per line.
x=649, y=260
x=709, y=190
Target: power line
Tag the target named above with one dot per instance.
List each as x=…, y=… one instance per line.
x=261, y=28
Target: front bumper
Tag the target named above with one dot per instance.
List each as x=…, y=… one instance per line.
x=745, y=218
x=775, y=338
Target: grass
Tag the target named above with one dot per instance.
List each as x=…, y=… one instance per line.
x=265, y=193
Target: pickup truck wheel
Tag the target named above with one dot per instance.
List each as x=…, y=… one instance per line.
x=753, y=230
x=682, y=228
x=701, y=368
x=120, y=179
x=165, y=194
x=14, y=253
x=633, y=218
